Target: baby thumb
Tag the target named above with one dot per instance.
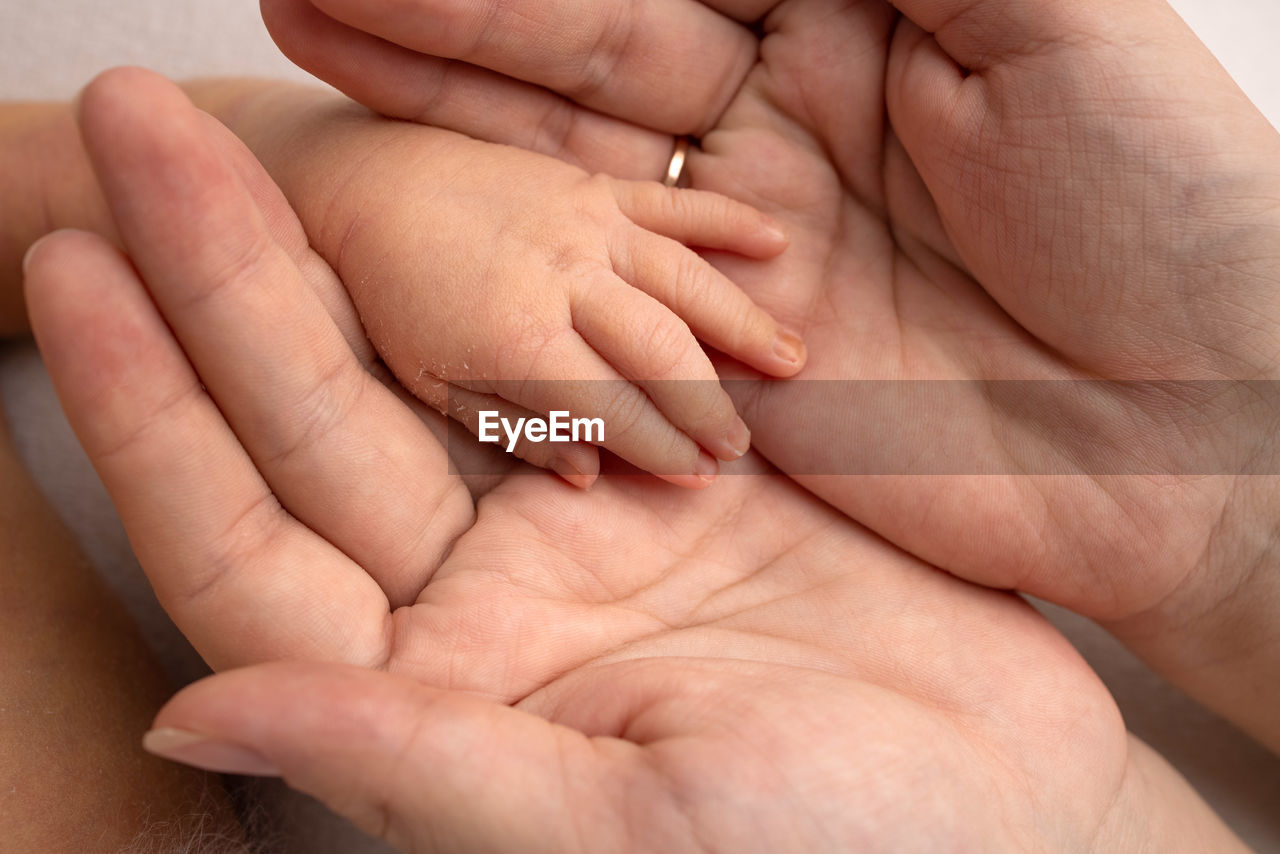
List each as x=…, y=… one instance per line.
x=422, y=768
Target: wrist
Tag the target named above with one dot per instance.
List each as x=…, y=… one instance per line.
x=1155, y=809
x=273, y=118
x=1216, y=636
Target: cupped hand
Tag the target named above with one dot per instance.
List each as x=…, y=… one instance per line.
x=634, y=666
x=1064, y=219
x=602, y=85
x=642, y=668
x=1016, y=200
x=1061, y=217
x=270, y=453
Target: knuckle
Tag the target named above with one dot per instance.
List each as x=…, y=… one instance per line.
x=709, y=407
x=161, y=419
x=748, y=326
x=432, y=93
x=596, y=66
x=529, y=341
x=325, y=406
x=624, y=412
x=667, y=346
x=684, y=206
x=248, y=540
x=693, y=283
x=229, y=268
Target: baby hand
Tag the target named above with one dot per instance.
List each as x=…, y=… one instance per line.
x=491, y=278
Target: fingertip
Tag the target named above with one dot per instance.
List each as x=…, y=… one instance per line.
x=789, y=354
x=762, y=240
x=781, y=355
x=734, y=444
x=65, y=264
x=39, y=277
x=211, y=754
x=773, y=239
x=705, y=471
x=580, y=481
x=36, y=249
x=115, y=92
x=580, y=470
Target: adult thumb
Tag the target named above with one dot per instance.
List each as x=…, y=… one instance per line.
x=422, y=768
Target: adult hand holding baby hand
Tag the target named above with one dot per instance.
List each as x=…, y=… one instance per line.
x=630, y=667
x=868, y=223
x=259, y=449
x=975, y=191
x=495, y=279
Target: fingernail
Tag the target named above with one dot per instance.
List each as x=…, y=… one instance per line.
x=736, y=443
x=26, y=258
x=788, y=347
x=778, y=233
x=706, y=468
x=190, y=748
x=571, y=473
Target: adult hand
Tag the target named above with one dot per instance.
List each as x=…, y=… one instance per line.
x=602, y=85
x=330, y=457
x=631, y=667
x=976, y=191
x=1031, y=193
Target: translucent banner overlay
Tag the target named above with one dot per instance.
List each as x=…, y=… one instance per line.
x=915, y=427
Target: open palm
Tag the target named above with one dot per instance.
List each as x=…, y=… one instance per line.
x=965, y=212
x=1066, y=197
x=630, y=666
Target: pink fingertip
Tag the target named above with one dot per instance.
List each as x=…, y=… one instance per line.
x=777, y=234
x=571, y=474
x=789, y=351
x=211, y=754
x=735, y=443
x=704, y=473
x=706, y=468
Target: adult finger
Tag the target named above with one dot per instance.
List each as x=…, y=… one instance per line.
x=482, y=104
x=243, y=580
x=670, y=65
x=422, y=768
x=315, y=423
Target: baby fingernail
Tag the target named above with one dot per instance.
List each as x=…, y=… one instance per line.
x=736, y=443
x=571, y=473
x=706, y=468
x=191, y=748
x=788, y=347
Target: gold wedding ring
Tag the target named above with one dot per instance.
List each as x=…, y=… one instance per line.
x=676, y=167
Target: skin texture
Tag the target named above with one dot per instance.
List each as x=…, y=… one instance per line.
x=77, y=682
x=634, y=667
x=1180, y=625
x=508, y=281
x=975, y=191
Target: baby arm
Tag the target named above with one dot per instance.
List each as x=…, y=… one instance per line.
x=491, y=278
